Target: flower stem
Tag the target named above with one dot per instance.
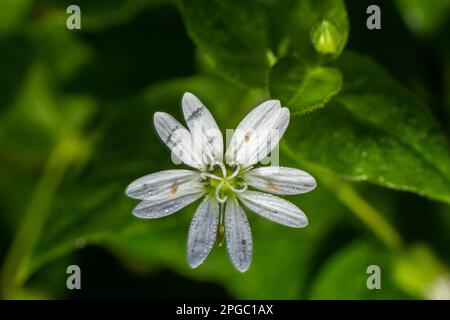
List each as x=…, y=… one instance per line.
x=364, y=211
x=36, y=214
x=370, y=216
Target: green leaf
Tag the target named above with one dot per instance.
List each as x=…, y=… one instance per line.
x=301, y=86
x=232, y=35
x=319, y=26
x=242, y=39
x=375, y=131
x=344, y=275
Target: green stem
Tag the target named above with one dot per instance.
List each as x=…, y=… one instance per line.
x=371, y=217
x=364, y=211
x=31, y=226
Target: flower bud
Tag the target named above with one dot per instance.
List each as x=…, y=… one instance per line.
x=325, y=37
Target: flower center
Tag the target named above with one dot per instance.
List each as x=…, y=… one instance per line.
x=223, y=180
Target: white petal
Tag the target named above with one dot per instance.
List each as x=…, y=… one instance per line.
x=203, y=127
x=239, y=236
x=274, y=208
x=280, y=180
x=273, y=136
x=258, y=133
x=169, y=201
x=261, y=116
x=178, y=139
x=203, y=231
x=159, y=183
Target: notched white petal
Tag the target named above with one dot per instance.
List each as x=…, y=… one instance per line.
x=274, y=208
x=258, y=134
x=239, y=236
x=202, y=232
x=260, y=117
x=169, y=202
x=161, y=183
x=204, y=129
x=178, y=139
x=280, y=180
x=268, y=139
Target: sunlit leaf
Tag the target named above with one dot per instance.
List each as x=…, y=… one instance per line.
x=232, y=35
x=301, y=86
x=375, y=130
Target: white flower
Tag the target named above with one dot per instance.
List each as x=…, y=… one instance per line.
x=223, y=185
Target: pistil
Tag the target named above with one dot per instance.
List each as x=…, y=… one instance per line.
x=226, y=183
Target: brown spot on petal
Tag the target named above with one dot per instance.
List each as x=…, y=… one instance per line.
x=174, y=189
x=271, y=187
x=247, y=137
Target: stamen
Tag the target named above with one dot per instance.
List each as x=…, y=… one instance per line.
x=222, y=167
x=218, y=198
x=236, y=190
x=245, y=169
x=205, y=175
x=235, y=173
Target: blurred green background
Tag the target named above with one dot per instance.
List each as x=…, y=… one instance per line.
x=75, y=128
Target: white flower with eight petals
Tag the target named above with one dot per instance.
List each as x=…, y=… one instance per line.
x=222, y=184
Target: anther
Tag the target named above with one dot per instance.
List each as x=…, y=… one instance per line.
x=205, y=175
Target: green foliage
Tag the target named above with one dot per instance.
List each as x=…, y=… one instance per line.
x=301, y=86
x=376, y=131
x=234, y=41
x=76, y=112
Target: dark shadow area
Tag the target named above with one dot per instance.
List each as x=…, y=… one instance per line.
x=109, y=279
x=130, y=57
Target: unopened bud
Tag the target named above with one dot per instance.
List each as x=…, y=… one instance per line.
x=325, y=37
